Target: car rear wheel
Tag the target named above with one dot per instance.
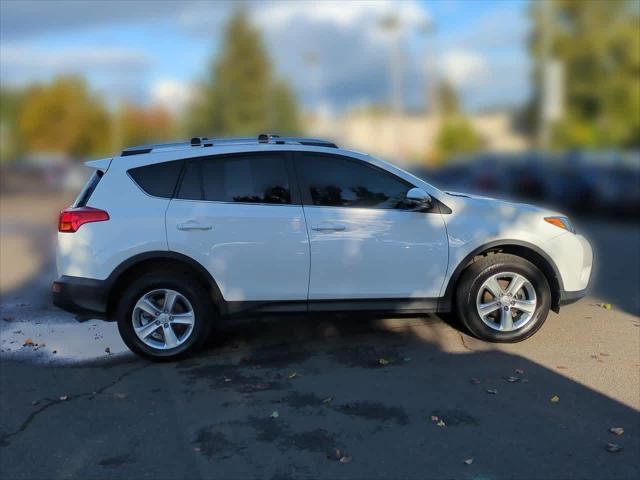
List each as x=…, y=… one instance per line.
x=164, y=316
x=503, y=298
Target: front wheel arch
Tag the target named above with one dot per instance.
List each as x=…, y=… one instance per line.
x=518, y=248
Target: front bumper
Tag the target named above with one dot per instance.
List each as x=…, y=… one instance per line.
x=567, y=298
x=85, y=297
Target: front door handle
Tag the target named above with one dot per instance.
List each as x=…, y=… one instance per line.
x=329, y=227
x=193, y=225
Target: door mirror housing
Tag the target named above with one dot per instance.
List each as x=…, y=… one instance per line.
x=420, y=199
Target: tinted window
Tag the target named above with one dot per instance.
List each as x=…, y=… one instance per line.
x=158, y=179
x=255, y=178
x=88, y=189
x=339, y=182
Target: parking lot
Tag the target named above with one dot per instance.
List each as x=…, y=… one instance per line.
x=318, y=397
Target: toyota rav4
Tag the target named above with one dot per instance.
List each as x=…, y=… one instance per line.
x=169, y=239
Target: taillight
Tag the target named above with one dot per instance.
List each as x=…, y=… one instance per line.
x=72, y=219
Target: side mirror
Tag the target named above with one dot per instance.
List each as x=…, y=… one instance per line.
x=420, y=199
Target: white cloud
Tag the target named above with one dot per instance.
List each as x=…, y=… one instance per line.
x=463, y=68
x=172, y=94
x=23, y=59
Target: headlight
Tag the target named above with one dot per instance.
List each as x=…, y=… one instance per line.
x=562, y=222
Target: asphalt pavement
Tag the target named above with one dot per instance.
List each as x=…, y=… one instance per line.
x=322, y=396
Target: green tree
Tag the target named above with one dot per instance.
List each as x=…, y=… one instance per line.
x=456, y=135
x=597, y=43
x=11, y=146
x=64, y=117
x=241, y=95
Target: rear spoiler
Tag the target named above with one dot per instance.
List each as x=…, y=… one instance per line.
x=102, y=164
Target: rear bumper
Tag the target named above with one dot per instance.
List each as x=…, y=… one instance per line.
x=83, y=296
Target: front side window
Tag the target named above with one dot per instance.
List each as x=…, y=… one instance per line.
x=247, y=178
x=334, y=181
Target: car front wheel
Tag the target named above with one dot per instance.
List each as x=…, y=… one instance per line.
x=503, y=298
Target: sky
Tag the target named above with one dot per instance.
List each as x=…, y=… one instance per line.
x=148, y=51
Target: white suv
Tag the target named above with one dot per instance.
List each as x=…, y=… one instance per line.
x=169, y=239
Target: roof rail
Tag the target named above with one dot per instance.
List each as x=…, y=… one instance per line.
x=210, y=142
x=277, y=139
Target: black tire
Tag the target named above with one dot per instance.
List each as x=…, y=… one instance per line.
x=201, y=302
x=474, y=277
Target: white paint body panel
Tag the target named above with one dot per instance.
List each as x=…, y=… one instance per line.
x=263, y=252
x=255, y=252
x=379, y=254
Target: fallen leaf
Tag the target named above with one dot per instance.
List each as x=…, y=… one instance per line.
x=604, y=354
x=434, y=418
x=327, y=400
x=54, y=352
x=407, y=359
x=474, y=381
x=616, y=430
x=28, y=343
x=8, y=318
x=345, y=459
x=383, y=361
x=512, y=379
x=554, y=399
x=292, y=375
x=64, y=397
x=561, y=367
x=519, y=371
x=492, y=391
x=275, y=414
x=606, y=306
x=441, y=423
x=196, y=449
x=613, y=447
x=226, y=379
x=468, y=461
x=35, y=402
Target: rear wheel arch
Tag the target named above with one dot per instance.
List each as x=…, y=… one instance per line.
x=147, y=262
x=525, y=250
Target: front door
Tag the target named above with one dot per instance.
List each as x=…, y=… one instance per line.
x=366, y=241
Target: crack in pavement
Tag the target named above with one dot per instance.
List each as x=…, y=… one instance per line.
x=464, y=344
x=25, y=424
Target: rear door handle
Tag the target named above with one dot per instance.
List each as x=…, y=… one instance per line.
x=329, y=227
x=193, y=225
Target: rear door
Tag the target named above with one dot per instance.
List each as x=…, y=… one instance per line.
x=240, y=217
x=366, y=242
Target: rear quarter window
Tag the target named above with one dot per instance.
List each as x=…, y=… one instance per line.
x=159, y=179
x=87, y=190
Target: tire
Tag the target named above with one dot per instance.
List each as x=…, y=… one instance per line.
x=156, y=288
x=524, y=312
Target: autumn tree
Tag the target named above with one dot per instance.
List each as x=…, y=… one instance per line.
x=135, y=125
x=241, y=94
x=64, y=117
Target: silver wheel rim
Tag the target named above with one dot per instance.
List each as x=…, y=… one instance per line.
x=506, y=301
x=163, y=319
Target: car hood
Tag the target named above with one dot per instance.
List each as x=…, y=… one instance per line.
x=495, y=203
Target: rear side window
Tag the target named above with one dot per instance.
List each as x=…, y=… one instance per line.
x=88, y=189
x=158, y=179
x=250, y=178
